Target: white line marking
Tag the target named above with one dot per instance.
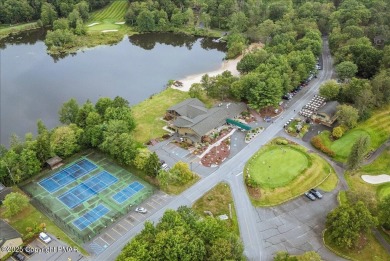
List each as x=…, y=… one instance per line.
x=128, y=222
x=110, y=236
x=104, y=241
x=239, y=174
x=150, y=205
x=134, y=218
x=122, y=226
x=116, y=231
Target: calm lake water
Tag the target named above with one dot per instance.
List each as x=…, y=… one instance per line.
x=33, y=85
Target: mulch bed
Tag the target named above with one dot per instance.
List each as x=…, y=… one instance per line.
x=254, y=192
x=270, y=111
x=216, y=155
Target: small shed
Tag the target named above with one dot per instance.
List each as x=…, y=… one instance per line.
x=327, y=114
x=54, y=162
x=9, y=238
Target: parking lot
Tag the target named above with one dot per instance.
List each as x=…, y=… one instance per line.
x=116, y=231
x=296, y=226
x=55, y=250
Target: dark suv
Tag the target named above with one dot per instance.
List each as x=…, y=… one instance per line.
x=18, y=256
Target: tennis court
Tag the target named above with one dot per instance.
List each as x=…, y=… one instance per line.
x=87, y=189
x=66, y=176
x=90, y=217
x=79, y=198
x=128, y=192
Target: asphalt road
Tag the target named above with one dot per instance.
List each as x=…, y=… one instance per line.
x=255, y=244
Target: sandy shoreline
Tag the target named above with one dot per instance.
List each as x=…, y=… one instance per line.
x=228, y=65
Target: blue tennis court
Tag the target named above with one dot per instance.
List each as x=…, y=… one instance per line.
x=90, y=217
x=67, y=175
x=128, y=192
x=87, y=189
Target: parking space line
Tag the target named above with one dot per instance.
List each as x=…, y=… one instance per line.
x=104, y=240
x=116, y=231
x=134, y=217
x=155, y=201
x=110, y=236
x=128, y=222
x=150, y=205
x=123, y=226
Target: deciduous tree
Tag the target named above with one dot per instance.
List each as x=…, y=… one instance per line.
x=347, y=115
x=14, y=203
x=330, y=90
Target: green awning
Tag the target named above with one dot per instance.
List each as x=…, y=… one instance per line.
x=239, y=124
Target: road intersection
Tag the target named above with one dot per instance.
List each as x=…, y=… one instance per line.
x=253, y=221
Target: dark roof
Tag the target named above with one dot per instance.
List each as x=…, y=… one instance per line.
x=189, y=108
x=210, y=119
x=330, y=108
x=53, y=161
x=4, y=191
x=7, y=232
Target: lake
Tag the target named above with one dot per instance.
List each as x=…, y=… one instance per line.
x=33, y=85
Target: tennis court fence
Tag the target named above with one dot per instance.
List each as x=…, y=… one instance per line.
x=76, y=235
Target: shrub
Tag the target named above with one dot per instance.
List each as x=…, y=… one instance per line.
x=317, y=143
x=281, y=142
x=338, y=132
x=250, y=182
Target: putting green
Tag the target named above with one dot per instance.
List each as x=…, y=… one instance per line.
x=277, y=166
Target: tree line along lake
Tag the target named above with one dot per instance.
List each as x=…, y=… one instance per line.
x=33, y=84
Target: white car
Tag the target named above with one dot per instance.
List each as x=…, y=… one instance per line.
x=44, y=237
x=141, y=210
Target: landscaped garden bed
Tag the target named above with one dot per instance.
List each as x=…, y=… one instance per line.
x=216, y=155
x=250, y=135
x=297, y=128
x=282, y=170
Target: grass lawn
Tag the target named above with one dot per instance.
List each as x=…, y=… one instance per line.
x=268, y=170
x=177, y=189
x=148, y=113
x=310, y=171
x=217, y=201
x=30, y=216
x=5, y=30
x=108, y=16
x=330, y=183
x=372, y=251
x=377, y=127
x=383, y=191
x=342, y=147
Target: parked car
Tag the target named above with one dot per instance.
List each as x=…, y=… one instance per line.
x=287, y=97
x=18, y=256
x=27, y=250
x=310, y=196
x=165, y=166
x=44, y=237
x=141, y=210
x=316, y=193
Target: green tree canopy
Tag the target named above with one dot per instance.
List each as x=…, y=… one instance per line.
x=358, y=151
x=346, y=70
x=14, y=203
x=330, y=90
x=347, y=115
x=384, y=212
x=346, y=223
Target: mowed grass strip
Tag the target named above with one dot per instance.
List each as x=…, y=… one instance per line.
x=217, y=201
x=149, y=113
x=277, y=166
x=330, y=183
x=116, y=10
x=305, y=178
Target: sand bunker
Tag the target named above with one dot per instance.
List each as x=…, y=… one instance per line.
x=376, y=179
x=107, y=31
x=92, y=24
x=120, y=22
